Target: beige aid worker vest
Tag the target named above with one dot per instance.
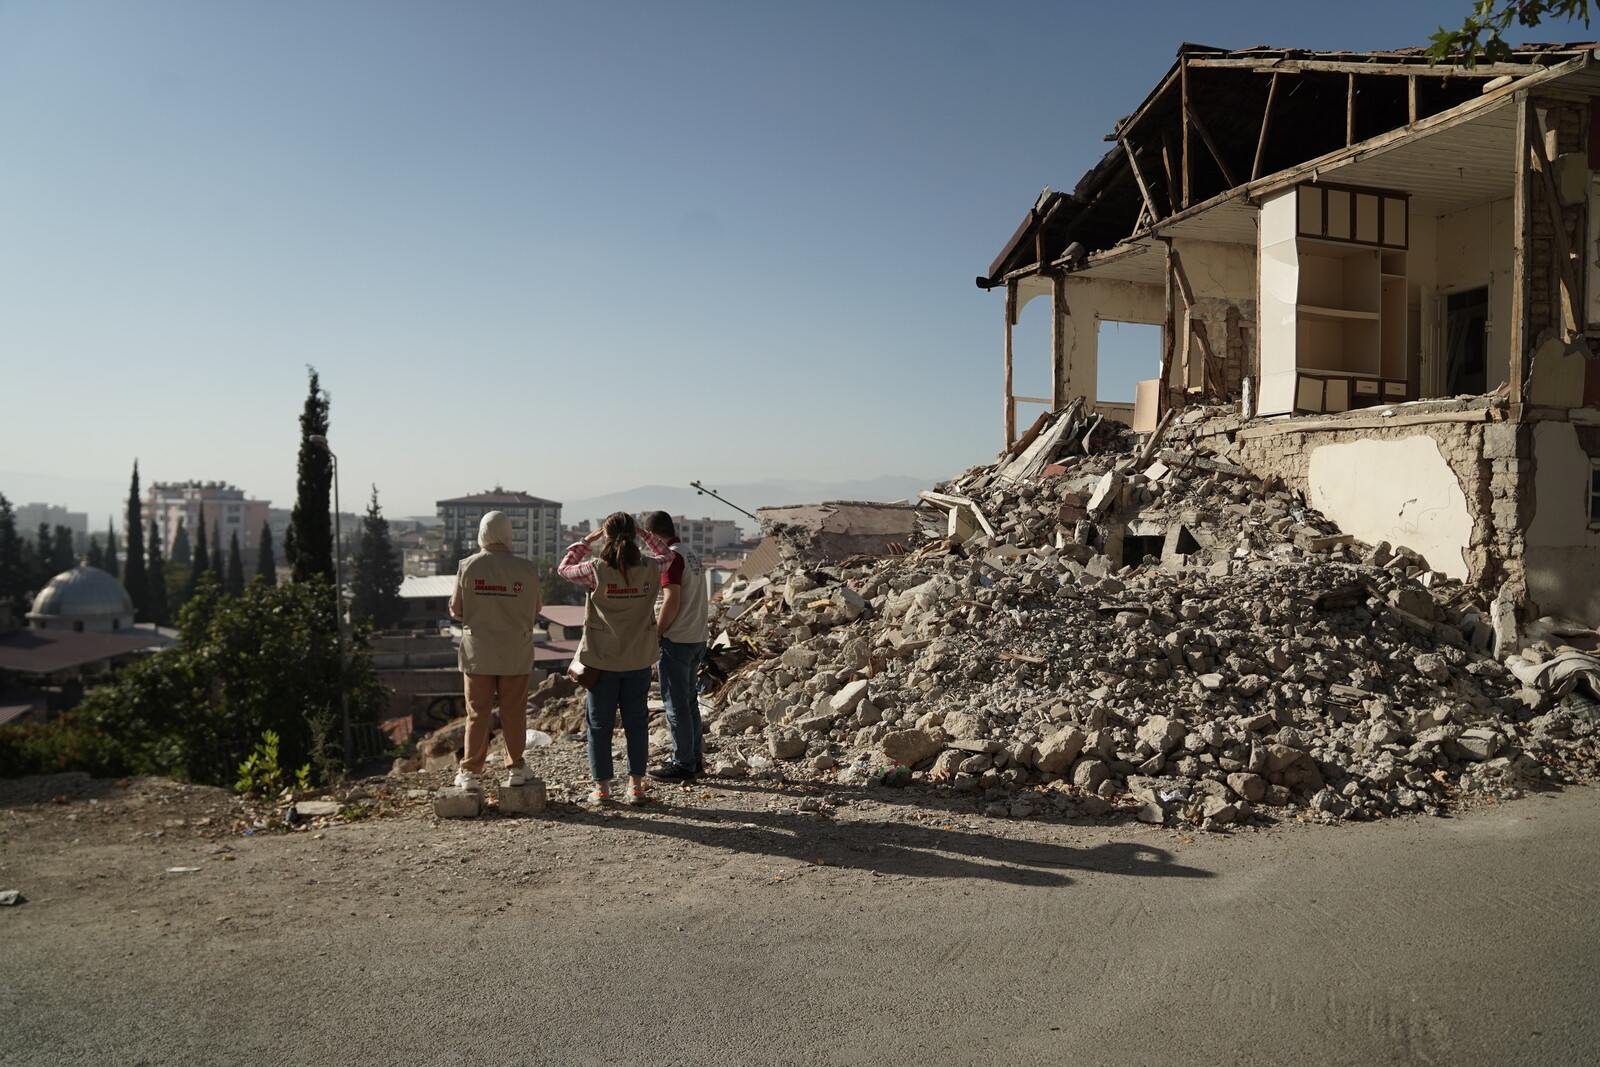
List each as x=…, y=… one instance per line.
x=619, y=618
x=499, y=610
x=694, y=601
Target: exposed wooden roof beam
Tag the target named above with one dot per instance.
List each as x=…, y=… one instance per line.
x=1327, y=66
x=1444, y=120
x=1138, y=176
x=1350, y=110
x=1183, y=83
x=1266, y=121
x=1216, y=153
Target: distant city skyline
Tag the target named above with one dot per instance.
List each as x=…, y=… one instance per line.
x=571, y=249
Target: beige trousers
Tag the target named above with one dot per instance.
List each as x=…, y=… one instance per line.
x=512, y=691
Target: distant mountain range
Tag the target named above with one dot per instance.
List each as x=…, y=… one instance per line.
x=773, y=492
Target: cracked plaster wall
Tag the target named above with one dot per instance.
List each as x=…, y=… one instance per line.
x=1447, y=490
x=1425, y=510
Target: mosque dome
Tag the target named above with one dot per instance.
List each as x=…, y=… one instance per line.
x=84, y=598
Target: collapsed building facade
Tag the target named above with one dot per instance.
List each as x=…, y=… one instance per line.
x=1385, y=270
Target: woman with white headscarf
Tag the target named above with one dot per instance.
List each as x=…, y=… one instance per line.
x=497, y=601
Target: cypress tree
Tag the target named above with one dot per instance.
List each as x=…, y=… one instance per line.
x=181, y=552
x=66, y=549
x=308, y=545
x=44, y=557
x=110, y=557
x=234, y=584
x=96, y=560
x=375, y=585
x=266, y=562
x=13, y=579
x=217, y=560
x=133, y=576
x=201, y=562
x=156, y=575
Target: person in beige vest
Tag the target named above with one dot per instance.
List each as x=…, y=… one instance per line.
x=497, y=601
x=619, y=640
x=681, y=613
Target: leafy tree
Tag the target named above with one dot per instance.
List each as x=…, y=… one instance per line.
x=200, y=562
x=554, y=589
x=266, y=562
x=96, y=557
x=13, y=578
x=156, y=575
x=233, y=584
x=66, y=551
x=181, y=552
x=267, y=659
x=133, y=577
x=375, y=585
x=308, y=545
x=1480, y=36
x=110, y=557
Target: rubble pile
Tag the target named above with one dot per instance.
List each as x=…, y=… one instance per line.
x=1092, y=623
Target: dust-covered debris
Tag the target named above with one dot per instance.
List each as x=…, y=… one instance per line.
x=1098, y=622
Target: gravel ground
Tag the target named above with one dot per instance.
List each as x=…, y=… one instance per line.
x=726, y=923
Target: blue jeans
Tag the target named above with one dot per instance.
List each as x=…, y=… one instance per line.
x=678, y=665
x=629, y=691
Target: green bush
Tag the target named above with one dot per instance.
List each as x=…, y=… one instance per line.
x=265, y=660
x=68, y=743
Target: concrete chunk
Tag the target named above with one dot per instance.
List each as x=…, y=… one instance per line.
x=458, y=803
x=526, y=799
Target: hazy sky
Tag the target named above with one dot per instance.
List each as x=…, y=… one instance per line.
x=568, y=248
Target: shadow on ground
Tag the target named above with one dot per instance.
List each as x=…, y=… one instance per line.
x=946, y=851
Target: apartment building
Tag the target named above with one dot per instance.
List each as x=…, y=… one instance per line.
x=535, y=522
x=225, y=508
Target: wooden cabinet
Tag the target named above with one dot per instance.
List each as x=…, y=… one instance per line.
x=1333, y=299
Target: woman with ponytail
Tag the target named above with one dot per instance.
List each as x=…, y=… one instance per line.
x=619, y=640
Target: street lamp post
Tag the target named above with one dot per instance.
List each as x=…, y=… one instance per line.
x=338, y=597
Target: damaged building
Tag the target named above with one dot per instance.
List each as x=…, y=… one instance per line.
x=1380, y=272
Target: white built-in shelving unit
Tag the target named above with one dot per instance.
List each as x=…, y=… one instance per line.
x=1333, y=299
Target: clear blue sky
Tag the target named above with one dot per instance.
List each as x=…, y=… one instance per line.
x=570, y=248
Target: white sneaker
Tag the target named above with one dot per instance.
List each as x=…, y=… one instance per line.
x=520, y=776
x=468, y=780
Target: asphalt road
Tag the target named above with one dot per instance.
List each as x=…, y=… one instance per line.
x=679, y=939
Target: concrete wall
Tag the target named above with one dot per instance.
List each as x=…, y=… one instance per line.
x=1563, y=551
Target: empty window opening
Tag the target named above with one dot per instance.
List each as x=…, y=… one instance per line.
x=1187, y=545
x=1030, y=360
x=1129, y=353
x=1467, y=342
x=1135, y=549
